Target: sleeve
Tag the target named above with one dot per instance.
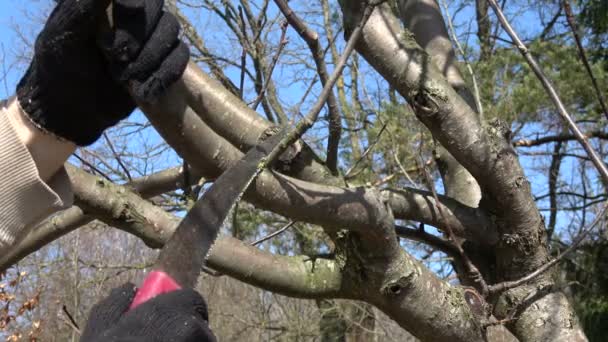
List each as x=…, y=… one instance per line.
x=25, y=199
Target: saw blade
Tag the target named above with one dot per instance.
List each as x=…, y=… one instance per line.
x=184, y=255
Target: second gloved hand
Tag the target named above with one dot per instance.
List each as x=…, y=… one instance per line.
x=75, y=89
x=179, y=316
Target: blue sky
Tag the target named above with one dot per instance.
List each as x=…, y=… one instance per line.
x=16, y=14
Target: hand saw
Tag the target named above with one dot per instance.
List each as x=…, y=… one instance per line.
x=183, y=256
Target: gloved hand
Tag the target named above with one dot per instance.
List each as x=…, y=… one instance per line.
x=179, y=316
x=75, y=89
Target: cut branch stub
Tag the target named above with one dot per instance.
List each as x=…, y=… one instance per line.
x=399, y=286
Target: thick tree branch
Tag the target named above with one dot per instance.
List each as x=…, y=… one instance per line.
x=119, y=207
x=466, y=222
x=403, y=287
x=423, y=18
x=485, y=153
x=163, y=181
x=226, y=115
x=556, y=161
x=323, y=205
x=371, y=265
x=394, y=281
x=483, y=29
x=414, y=298
x=47, y=232
x=295, y=276
x=73, y=218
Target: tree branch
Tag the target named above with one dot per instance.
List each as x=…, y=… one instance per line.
x=483, y=151
x=395, y=282
x=434, y=241
x=74, y=217
x=312, y=40
x=557, y=138
x=466, y=222
x=472, y=275
x=273, y=234
x=221, y=112
x=424, y=19
x=583, y=55
x=197, y=42
x=501, y=287
x=117, y=206
x=282, y=42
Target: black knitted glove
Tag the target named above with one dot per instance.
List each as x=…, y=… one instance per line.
x=75, y=89
x=179, y=316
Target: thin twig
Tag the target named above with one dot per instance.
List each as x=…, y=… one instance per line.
x=504, y=286
x=434, y=241
x=595, y=158
x=196, y=41
x=549, y=27
x=473, y=272
x=243, y=53
x=583, y=55
x=282, y=42
x=313, y=114
x=557, y=138
x=212, y=272
x=312, y=40
x=4, y=71
x=395, y=154
x=465, y=59
x=92, y=167
x=270, y=236
x=117, y=157
x=402, y=168
x=385, y=179
x=69, y=320
x=367, y=151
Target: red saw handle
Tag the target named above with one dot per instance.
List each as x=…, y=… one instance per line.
x=156, y=283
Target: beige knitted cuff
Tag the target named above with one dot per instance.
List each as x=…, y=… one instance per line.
x=25, y=199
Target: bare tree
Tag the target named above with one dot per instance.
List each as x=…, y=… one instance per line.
x=405, y=142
